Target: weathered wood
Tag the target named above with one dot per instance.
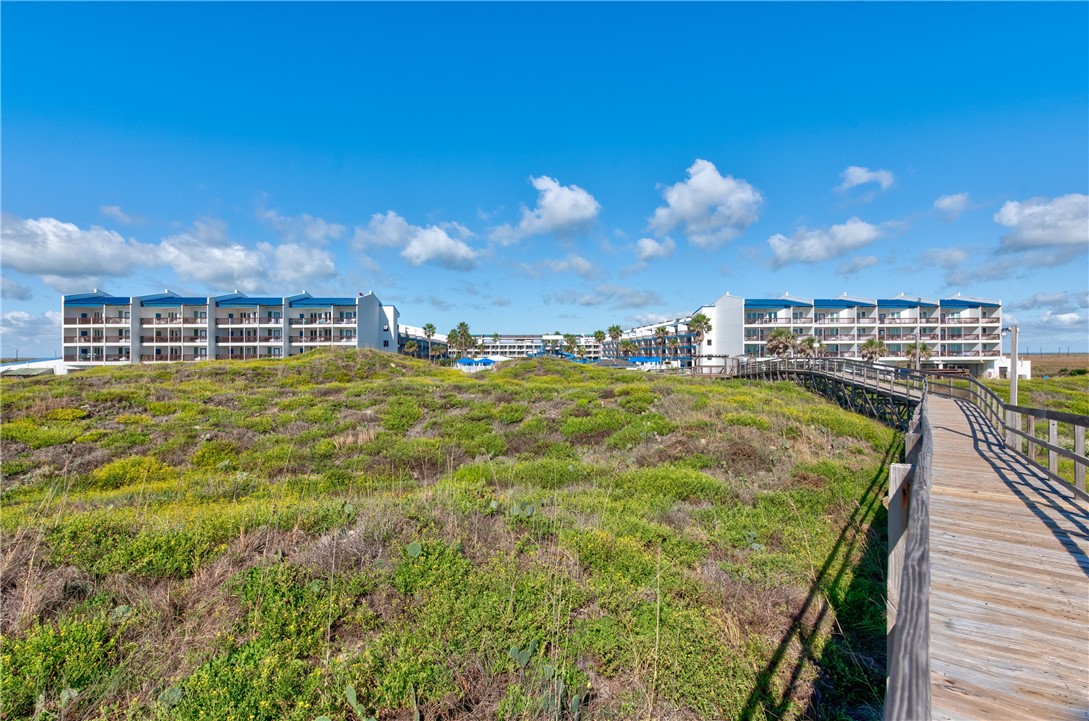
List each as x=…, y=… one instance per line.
x=1009, y=582
x=897, y=522
x=1079, y=449
x=908, y=695
x=1053, y=439
x=1032, y=432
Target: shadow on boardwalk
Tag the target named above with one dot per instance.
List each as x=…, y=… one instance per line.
x=1045, y=498
x=851, y=665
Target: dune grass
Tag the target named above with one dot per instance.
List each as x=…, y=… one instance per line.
x=249, y=540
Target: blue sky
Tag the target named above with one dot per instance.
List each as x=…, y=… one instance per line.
x=539, y=167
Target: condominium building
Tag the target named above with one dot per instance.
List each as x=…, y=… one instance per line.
x=960, y=331
x=522, y=345
x=99, y=328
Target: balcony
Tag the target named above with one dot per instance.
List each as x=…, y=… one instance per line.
x=98, y=358
x=162, y=321
x=900, y=321
x=956, y=338
x=171, y=358
x=835, y=321
x=244, y=356
x=322, y=321
x=237, y=321
x=960, y=321
x=237, y=339
x=861, y=321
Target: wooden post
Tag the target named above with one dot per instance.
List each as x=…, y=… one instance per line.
x=898, y=506
x=1079, y=448
x=1032, y=432
x=1053, y=439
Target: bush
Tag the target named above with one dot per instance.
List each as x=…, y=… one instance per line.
x=216, y=454
x=128, y=471
x=39, y=435
x=66, y=414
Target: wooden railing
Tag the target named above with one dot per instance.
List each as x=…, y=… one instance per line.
x=908, y=598
x=1009, y=422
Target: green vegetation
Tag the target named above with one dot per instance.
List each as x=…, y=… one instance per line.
x=356, y=535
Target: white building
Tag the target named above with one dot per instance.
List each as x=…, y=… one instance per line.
x=98, y=328
x=528, y=345
x=960, y=332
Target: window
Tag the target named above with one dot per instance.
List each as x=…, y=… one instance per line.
x=708, y=341
x=385, y=344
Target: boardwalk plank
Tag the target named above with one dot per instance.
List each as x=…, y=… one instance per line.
x=1009, y=609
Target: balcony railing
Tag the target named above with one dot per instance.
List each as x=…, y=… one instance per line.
x=237, y=339
x=961, y=321
x=966, y=336
x=322, y=321
x=244, y=356
x=172, y=357
x=98, y=358
x=97, y=320
x=174, y=321
x=900, y=321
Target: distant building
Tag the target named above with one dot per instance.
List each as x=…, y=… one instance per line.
x=960, y=332
x=98, y=328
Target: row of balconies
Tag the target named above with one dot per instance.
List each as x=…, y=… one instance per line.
x=872, y=321
x=191, y=339
x=100, y=320
x=893, y=338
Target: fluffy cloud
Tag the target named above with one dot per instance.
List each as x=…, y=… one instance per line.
x=945, y=257
x=856, y=264
x=563, y=210
x=649, y=249
x=1062, y=301
x=574, y=264
x=1049, y=319
x=952, y=205
x=419, y=245
x=57, y=251
x=115, y=212
x=32, y=334
x=206, y=254
x=305, y=227
x=13, y=289
x=1040, y=223
x=999, y=266
x=815, y=246
x=619, y=297
x=854, y=175
x=713, y=209
x=295, y=264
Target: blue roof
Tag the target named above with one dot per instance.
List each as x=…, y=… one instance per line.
x=645, y=359
x=249, y=302
x=175, y=301
x=836, y=303
x=962, y=303
x=904, y=303
x=98, y=301
x=321, y=302
x=774, y=303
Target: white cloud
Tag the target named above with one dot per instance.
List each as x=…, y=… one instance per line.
x=616, y=296
x=854, y=175
x=648, y=248
x=952, y=205
x=575, y=264
x=433, y=245
x=303, y=227
x=563, y=210
x=419, y=245
x=298, y=264
x=115, y=212
x=206, y=254
x=815, y=246
x=13, y=289
x=856, y=264
x=1061, y=301
x=1000, y=266
x=60, y=252
x=29, y=333
x=1060, y=321
x=1040, y=222
x=713, y=209
x=945, y=257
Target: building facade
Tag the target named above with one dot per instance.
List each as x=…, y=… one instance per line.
x=960, y=332
x=98, y=328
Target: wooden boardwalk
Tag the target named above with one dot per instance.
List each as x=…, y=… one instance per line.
x=1009, y=599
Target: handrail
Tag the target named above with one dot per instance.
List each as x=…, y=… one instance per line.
x=1004, y=418
x=908, y=692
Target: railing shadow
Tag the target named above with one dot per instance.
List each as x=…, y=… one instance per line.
x=1043, y=496
x=770, y=699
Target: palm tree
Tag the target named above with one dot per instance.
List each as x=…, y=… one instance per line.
x=810, y=346
x=570, y=343
x=872, y=349
x=675, y=346
x=411, y=347
x=429, y=333
x=918, y=352
x=614, y=335
x=627, y=347
x=461, y=338
x=495, y=338
x=699, y=325
x=660, y=335
x=780, y=342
